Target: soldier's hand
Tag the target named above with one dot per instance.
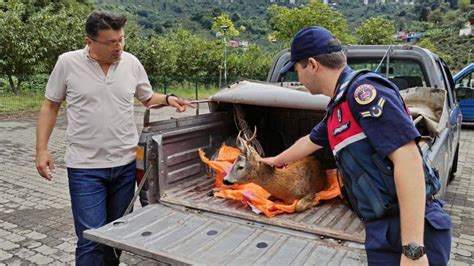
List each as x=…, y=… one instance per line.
x=45, y=164
x=272, y=161
x=179, y=103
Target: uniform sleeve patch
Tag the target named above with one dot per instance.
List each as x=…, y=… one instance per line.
x=365, y=94
x=376, y=110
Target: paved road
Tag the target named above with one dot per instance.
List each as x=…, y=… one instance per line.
x=35, y=217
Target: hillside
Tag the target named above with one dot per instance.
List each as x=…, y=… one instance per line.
x=197, y=16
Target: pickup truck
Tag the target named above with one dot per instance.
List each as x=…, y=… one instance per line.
x=186, y=224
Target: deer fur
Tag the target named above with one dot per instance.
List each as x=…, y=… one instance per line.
x=300, y=181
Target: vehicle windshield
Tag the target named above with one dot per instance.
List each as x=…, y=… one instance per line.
x=404, y=73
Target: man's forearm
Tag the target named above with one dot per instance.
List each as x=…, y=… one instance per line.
x=300, y=149
x=46, y=121
x=156, y=99
x=410, y=184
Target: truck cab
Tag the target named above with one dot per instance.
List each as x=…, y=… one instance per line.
x=186, y=224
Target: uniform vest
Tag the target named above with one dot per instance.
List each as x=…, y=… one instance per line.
x=368, y=179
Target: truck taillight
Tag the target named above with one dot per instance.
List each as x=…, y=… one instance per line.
x=140, y=174
x=140, y=163
x=140, y=152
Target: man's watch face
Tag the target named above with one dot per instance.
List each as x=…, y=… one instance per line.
x=413, y=251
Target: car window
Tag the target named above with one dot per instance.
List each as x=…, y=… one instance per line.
x=291, y=76
x=404, y=73
x=466, y=81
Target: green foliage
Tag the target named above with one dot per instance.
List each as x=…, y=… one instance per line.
x=426, y=43
x=286, y=22
x=252, y=63
x=464, y=5
x=376, y=30
x=188, y=90
x=224, y=26
x=32, y=39
x=18, y=46
x=435, y=17
x=12, y=104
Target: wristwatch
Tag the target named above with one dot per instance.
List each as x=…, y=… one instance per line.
x=167, y=96
x=413, y=251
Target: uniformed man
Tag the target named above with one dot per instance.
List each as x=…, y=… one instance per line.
x=367, y=126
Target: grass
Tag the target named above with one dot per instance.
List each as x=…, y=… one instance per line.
x=190, y=94
x=12, y=104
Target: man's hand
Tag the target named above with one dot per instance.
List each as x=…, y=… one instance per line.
x=45, y=164
x=44, y=127
x=406, y=261
x=179, y=103
x=272, y=161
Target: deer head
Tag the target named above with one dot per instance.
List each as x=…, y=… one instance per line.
x=246, y=163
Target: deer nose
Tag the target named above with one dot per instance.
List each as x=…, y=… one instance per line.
x=227, y=182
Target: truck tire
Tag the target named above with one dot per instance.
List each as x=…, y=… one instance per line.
x=454, y=167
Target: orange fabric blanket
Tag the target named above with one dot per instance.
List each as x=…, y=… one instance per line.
x=253, y=195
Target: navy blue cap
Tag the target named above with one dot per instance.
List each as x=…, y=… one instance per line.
x=311, y=41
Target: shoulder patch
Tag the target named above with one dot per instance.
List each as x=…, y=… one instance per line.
x=365, y=94
x=375, y=111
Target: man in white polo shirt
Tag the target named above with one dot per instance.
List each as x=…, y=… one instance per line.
x=99, y=84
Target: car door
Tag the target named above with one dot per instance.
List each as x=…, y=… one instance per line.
x=464, y=86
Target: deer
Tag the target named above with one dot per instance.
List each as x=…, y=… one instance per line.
x=299, y=181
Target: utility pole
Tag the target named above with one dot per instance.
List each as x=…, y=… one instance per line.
x=224, y=29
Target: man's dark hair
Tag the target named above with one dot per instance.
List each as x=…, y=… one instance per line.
x=334, y=60
x=103, y=20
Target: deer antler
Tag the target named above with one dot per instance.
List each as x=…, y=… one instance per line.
x=240, y=143
x=252, y=137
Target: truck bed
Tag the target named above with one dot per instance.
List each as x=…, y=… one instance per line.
x=188, y=225
x=178, y=236
x=182, y=179
x=329, y=219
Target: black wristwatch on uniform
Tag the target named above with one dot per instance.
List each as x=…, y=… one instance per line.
x=413, y=251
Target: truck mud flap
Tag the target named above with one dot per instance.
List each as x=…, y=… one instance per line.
x=181, y=236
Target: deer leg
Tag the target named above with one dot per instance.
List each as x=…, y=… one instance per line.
x=305, y=203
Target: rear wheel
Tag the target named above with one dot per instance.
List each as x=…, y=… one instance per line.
x=454, y=167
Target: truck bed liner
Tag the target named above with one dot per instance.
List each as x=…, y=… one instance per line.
x=331, y=218
x=182, y=180
x=183, y=237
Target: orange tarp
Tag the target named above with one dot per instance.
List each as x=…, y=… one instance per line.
x=253, y=195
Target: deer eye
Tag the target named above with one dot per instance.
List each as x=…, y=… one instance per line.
x=240, y=167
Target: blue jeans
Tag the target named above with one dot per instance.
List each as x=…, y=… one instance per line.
x=99, y=196
x=383, y=237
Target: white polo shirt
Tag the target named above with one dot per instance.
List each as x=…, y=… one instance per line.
x=101, y=130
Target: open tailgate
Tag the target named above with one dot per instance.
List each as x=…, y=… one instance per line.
x=175, y=235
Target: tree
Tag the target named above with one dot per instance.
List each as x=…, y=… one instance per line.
x=436, y=17
x=32, y=39
x=376, y=30
x=17, y=46
x=59, y=31
x=427, y=44
x=224, y=21
x=157, y=56
x=425, y=12
x=252, y=63
x=286, y=22
x=464, y=5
